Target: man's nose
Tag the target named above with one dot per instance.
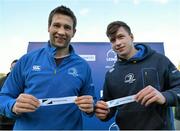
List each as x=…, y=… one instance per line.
x=61, y=30
x=117, y=42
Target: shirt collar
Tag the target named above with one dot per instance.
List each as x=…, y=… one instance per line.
x=52, y=49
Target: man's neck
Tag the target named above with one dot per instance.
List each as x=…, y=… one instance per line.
x=133, y=52
x=61, y=53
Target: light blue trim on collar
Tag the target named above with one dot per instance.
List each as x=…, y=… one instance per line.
x=141, y=51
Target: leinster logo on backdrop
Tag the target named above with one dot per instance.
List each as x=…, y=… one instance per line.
x=111, y=58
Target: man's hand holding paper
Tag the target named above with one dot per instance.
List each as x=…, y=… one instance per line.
x=85, y=103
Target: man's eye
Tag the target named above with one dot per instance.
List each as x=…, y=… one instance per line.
x=56, y=26
x=120, y=37
x=112, y=40
x=67, y=27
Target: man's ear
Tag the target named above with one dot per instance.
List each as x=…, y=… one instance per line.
x=74, y=32
x=132, y=36
x=48, y=29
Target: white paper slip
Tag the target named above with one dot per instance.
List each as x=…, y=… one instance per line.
x=120, y=101
x=57, y=101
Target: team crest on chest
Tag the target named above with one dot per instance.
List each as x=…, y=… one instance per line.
x=73, y=71
x=129, y=78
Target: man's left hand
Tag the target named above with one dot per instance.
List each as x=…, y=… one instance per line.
x=85, y=103
x=149, y=95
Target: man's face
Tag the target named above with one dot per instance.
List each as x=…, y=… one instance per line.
x=122, y=43
x=61, y=31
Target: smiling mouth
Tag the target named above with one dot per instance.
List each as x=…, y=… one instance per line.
x=60, y=39
x=120, y=49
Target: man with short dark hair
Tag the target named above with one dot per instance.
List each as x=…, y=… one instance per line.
x=142, y=72
x=50, y=88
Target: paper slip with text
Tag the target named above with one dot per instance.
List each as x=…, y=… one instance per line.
x=57, y=101
x=120, y=101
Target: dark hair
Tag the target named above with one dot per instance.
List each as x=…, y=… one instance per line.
x=14, y=61
x=62, y=10
x=113, y=27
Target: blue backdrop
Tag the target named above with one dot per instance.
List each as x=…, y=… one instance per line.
x=101, y=58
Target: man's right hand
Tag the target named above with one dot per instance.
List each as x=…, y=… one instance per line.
x=101, y=110
x=25, y=103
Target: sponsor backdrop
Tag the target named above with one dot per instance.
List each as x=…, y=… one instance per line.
x=101, y=58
